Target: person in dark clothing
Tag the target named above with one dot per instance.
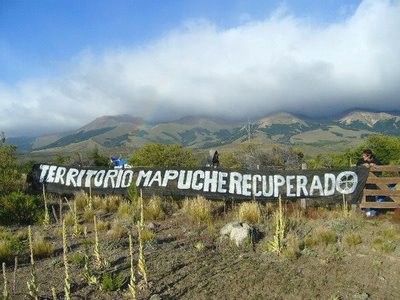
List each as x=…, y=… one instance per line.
x=368, y=159
x=215, y=160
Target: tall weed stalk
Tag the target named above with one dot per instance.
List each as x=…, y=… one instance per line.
x=132, y=280
x=5, y=283
x=32, y=285
x=346, y=211
x=67, y=283
x=140, y=226
x=46, y=220
x=277, y=244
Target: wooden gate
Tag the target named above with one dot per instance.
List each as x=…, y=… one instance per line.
x=382, y=189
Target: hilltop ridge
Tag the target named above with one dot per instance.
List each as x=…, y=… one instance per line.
x=204, y=132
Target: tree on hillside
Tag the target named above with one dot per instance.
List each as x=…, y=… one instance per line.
x=386, y=148
x=159, y=155
x=332, y=160
x=231, y=160
x=254, y=156
x=98, y=159
x=9, y=175
x=281, y=157
x=61, y=159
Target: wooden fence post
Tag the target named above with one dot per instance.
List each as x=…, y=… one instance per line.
x=303, y=201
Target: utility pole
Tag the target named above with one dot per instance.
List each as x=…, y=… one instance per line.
x=2, y=138
x=248, y=131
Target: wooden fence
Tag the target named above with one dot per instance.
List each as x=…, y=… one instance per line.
x=382, y=189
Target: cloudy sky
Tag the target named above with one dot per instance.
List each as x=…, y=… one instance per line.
x=65, y=62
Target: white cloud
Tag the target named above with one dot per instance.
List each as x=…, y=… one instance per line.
x=280, y=63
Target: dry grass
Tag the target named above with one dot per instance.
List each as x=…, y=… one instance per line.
x=117, y=230
x=293, y=248
x=322, y=236
x=41, y=248
x=69, y=218
x=154, y=209
x=204, y=241
x=396, y=216
x=198, y=210
x=391, y=233
x=250, y=212
x=88, y=215
x=110, y=204
x=148, y=236
x=128, y=212
x=382, y=245
x=97, y=202
x=353, y=239
x=7, y=248
x=81, y=200
x=103, y=225
x=295, y=212
x=387, y=240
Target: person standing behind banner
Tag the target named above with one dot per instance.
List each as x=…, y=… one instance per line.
x=368, y=159
x=215, y=160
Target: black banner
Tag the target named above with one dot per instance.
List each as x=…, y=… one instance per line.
x=211, y=183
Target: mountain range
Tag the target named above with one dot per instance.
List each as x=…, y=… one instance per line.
x=125, y=131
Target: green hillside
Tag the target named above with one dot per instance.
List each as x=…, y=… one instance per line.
x=126, y=132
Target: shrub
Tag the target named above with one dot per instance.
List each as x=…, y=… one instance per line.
x=110, y=282
x=133, y=193
x=159, y=155
x=9, y=248
x=98, y=159
x=19, y=208
x=11, y=245
x=77, y=259
x=232, y=161
x=6, y=251
x=10, y=178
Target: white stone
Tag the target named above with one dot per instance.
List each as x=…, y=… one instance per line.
x=237, y=232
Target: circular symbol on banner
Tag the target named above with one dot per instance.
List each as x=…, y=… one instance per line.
x=346, y=182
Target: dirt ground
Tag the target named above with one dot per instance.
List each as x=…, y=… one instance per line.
x=186, y=260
